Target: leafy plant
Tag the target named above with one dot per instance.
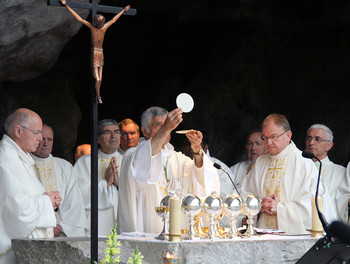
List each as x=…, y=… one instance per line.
x=112, y=251
x=136, y=257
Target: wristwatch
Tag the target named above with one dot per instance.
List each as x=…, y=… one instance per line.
x=200, y=152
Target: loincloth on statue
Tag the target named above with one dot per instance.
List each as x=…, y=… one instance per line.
x=96, y=57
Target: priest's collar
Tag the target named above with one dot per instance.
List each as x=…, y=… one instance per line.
x=108, y=156
x=38, y=159
x=6, y=140
x=284, y=152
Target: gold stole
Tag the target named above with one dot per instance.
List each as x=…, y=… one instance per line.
x=46, y=175
x=273, y=184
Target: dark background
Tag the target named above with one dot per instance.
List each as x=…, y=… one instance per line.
x=240, y=61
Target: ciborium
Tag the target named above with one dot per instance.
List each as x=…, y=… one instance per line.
x=213, y=206
x=250, y=208
x=163, y=212
x=232, y=208
x=191, y=206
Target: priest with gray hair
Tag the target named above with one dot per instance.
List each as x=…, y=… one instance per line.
x=150, y=169
x=319, y=140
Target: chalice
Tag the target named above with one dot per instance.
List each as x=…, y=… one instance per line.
x=250, y=208
x=213, y=206
x=233, y=207
x=191, y=205
x=163, y=212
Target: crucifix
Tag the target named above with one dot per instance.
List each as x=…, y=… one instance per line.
x=97, y=34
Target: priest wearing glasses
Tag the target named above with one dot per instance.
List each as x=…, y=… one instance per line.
x=283, y=179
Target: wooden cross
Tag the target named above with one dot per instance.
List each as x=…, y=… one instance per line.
x=94, y=8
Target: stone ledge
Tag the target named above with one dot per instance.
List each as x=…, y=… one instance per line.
x=77, y=250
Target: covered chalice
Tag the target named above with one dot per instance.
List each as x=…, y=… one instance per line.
x=213, y=206
x=191, y=206
x=250, y=208
x=232, y=208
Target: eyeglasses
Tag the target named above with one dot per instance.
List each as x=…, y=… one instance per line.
x=316, y=139
x=273, y=137
x=110, y=133
x=35, y=132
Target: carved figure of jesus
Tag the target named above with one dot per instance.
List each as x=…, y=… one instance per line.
x=98, y=30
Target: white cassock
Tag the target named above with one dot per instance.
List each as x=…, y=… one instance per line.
x=107, y=196
x=25, y=211
x=293, y=179
x=56, y=174
x=226, y=187
x=239, y=171
x=337, y=181
x=143, y=184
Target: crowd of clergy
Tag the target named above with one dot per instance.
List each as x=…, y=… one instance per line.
x=44, y=196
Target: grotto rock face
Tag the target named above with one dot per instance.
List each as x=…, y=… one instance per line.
x=32, y=37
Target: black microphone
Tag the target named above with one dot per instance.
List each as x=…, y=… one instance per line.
x=309, y=155
x=340, y=230
x=218, y=166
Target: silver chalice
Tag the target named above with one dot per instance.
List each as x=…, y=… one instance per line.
x=191, y=205
x=213, y=206
x=250, y=208
x=163, y=212
x=232, y=208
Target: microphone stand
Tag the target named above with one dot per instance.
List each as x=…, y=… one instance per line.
x=326, y=249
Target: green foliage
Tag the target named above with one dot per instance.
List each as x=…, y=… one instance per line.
x=112, y=251
x=136, y=257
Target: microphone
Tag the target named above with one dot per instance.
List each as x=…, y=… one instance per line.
x=309, y=155
x=218, y=166
x=340, y=230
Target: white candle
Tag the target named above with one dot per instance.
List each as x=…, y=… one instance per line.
x=175, y=217
x=316, y=223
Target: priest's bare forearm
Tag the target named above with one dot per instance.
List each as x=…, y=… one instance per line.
x=174, y=118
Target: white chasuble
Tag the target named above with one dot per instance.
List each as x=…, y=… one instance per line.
x=27, y=212
x=143, y=184
x=239, y=171
x=56, y=174
x=293, y=179
x=337, y=184
x=107, y=195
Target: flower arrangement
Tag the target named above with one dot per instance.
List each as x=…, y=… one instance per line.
x=112, y=251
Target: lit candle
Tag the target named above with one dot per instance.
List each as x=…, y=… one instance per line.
x=175, y=219
x=170, y=259
x=316, y=223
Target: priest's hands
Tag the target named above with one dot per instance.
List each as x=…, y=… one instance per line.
x=173, y=119
x=55, y=198
x=269, y=205
x=112, y=175
x=57, y=230
x=195, y=137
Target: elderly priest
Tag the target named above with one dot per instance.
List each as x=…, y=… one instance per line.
x=27, y=211
x=148, y=169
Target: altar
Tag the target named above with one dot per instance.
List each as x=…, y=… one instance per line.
x=267, y=248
